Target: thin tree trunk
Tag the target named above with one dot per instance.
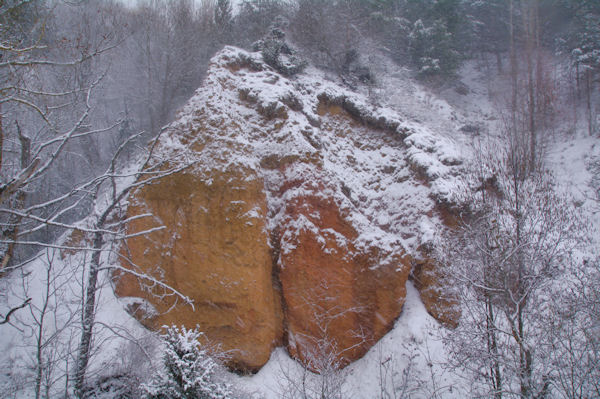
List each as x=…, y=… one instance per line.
x=165, y=98
x=513, y=70
x=1, y=138
x=517, y=292
x=40, y=334
x=530, y=30
x=88, y=317
x=149, y=82
x=577, y=80
x=493, y=349
x=11, y=234
x=89, y=307
x=525, y=364
x=499, y=61
x=588, y=99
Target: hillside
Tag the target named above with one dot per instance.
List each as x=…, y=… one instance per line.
x=322, y=235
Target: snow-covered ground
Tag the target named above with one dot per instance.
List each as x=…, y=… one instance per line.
x=407, y=358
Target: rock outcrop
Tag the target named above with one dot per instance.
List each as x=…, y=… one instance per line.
x=216, y=251
x=297, y=221
x=340, y=298
x=439, y=302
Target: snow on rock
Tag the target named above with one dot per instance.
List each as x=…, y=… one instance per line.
x=344, y=198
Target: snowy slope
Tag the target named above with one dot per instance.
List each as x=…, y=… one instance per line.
x=406, y=358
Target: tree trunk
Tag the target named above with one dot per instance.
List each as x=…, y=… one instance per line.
x=1, y=138
x=88, y=317
x=530, y=25
x=12, y=232
x=577, y=80
x=588, y=99
x=40, y=335
x=493, y=349
x=499, y=61
x=513, y=70
x=525, y=359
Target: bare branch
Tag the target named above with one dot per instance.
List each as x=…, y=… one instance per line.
x=6, y=319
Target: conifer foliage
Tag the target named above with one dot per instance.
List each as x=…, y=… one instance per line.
x=277, y=53
x=190, y=370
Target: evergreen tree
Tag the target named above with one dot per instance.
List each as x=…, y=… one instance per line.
x=586, y=43
x=583, y=46
x=190, y=370
x=254, y=19
x=277, y=53
x=436, y=35
x=432, y=48
x=224, y=20
x=489, y=30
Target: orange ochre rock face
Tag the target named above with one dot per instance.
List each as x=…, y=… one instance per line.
x=441, y=304
x=295, y=228
x=214, y=250
x=339, y=301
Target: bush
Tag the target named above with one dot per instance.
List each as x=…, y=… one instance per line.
x=120, y=386
x=190, y=371
x=278, y=54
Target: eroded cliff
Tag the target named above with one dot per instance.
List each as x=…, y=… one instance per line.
x=298, y=221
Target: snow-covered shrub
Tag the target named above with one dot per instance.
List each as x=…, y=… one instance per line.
x=119, y=386
x=278, y=54
x=353, y=70
x=190, y=370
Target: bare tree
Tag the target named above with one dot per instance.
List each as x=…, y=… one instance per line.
x=574, y=331
x=395, y=381
x=49, y=88
x=169, y=50
x=42, y=113
x=330, y=32
x=48, y=353
x=45, y=328
x=107, y=231
x=509, y=254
